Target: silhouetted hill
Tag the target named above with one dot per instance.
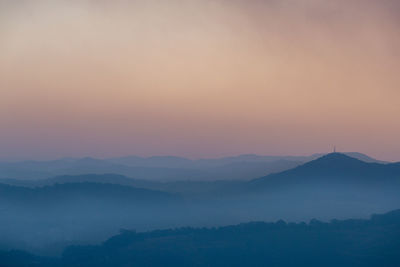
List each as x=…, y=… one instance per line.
x=34, y=170
x=155, y=161
x=108, y=178
x=356, y=155
x=85, y=190
x=188, y=188
x=334, y=185
x=335, y=167
x=364, y=157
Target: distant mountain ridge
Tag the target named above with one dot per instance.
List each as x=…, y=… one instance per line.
x=162, y=168
x=86, y=190
x=173, y=161
x=331, y=165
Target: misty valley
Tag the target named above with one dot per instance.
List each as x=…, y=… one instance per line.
x=93, y=216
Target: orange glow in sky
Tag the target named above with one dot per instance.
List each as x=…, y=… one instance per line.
x=199, y=78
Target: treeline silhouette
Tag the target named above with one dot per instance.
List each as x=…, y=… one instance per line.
x=373, y=242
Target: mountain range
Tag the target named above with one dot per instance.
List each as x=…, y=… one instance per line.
x=48, y=214
x=162, y=168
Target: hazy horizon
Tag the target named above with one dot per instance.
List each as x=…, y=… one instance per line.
x=198, y=78
x=8, y=159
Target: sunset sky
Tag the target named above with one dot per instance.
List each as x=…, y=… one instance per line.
x=199, y=78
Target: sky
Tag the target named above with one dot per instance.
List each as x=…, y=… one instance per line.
x=198, y=78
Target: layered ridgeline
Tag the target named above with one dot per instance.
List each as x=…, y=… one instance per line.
x=161, y=168
x=373, y=242
x=52, y=213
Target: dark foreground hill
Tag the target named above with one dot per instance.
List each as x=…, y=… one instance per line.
x=373, y=242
